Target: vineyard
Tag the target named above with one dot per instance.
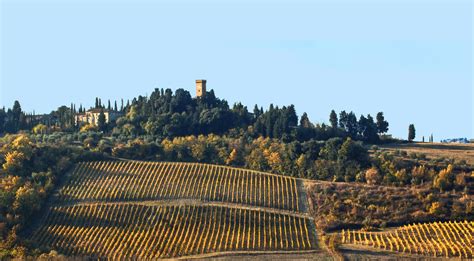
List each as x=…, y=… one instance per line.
x=149, y=210
x=135, y=181
x=447, y=239
x=140, y=231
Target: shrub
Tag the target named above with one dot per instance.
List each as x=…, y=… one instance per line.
x=372, y=176
x=444, y=180
x=88, y=128
x=460, y=180
x=436, y=208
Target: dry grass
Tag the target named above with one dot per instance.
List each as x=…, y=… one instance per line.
x=454, y=151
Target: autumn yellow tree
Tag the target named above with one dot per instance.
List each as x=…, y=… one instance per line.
x=40, y=129
x=13, y=162
x=89, y=127
x=24, y=145
x=444, y=180
x=19, y=151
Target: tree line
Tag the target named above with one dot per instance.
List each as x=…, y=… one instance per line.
x=168, y=114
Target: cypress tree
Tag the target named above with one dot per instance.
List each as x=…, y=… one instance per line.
x=101, y=121
x=304, y=121
x=411, y=132
x=333, y=119
x=256, y=112
x=382, y=124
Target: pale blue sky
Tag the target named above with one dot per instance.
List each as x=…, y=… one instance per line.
x=411, y=59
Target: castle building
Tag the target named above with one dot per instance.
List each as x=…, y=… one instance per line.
x=92, y=116
x=200, y=88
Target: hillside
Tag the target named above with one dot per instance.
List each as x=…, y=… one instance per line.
x=438, y=239
x=136, y=181
x=147, y=210
x=436, y=151
x=132, y=209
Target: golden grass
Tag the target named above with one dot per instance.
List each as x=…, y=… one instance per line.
x=454, y=151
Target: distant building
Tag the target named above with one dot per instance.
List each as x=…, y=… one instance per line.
x=456, y=140
x=92, y=116
x=200, y=88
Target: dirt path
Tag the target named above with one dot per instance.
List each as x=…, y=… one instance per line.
x=193, y=202
x=261, y=255
x=300, y=182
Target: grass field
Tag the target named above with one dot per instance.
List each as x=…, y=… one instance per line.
x=455, y=151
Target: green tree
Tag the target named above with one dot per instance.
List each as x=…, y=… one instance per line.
x=343, y=119
x=411, y=132
x=382, y=124
x=331, y=149
x=17, y=117
x=256, y=112
x=27, y=200
x=101, y=121
x=368, y=129
x=353, y=151
x=304, y=121
x=3, y=116
x=352, y=125
x=333, y=119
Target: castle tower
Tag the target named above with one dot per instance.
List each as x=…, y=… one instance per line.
x=200, y=88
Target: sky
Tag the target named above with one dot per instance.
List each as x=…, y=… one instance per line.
x=411, y=59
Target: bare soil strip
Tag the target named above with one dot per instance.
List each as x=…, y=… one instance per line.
x=192, y=202
x=241, y=253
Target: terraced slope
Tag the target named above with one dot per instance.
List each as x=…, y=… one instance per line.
x=447, y=239
x=133, y=209
x=136, y=180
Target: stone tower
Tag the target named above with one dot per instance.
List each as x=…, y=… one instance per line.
x=200, y=88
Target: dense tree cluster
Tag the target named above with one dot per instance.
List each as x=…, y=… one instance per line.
x=335, y=159
x=168, y=114
x=28, y=175
x=62, y=119
x=13, y=120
